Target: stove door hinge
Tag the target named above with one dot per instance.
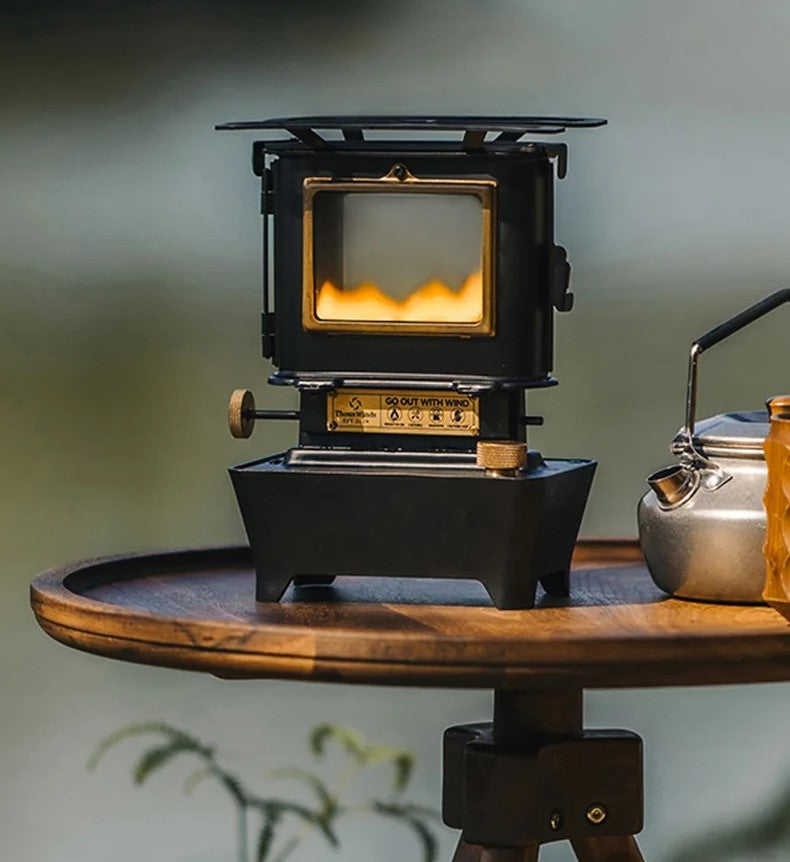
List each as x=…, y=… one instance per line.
x=267, y=334
x=267, y=194
x=560, y=153
x=258, y=158
x=561, y=296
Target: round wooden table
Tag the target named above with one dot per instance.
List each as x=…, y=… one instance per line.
x=195, y=609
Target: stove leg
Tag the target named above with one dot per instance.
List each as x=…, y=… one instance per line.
x=270, y=589
x=607, y=849
x=314, y=580
x=514, y=592
x=557, y=584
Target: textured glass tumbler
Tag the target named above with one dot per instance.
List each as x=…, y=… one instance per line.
x=777, y=507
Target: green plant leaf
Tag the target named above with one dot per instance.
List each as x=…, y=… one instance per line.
x=141, y=729
x=380, y=753
x=280, y=807
x=349, y=740
x=409, y=810
x=156, y=758
x=321, y=818
x=407, y=814
x=198, y=776
x=426, y=838
x=265, y=839
x=319, y=787
x=402, y=760
x=233, y=785
x=324, y=824
x=404, y=764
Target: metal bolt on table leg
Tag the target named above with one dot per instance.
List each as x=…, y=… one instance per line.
x=596, y=814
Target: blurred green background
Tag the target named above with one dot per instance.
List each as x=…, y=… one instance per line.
x=129, y=302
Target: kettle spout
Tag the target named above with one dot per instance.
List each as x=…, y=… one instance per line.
x=674, y=485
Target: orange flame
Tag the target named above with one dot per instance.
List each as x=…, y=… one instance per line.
x=432, y=302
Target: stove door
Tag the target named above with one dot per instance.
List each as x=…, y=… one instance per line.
x=399, y=255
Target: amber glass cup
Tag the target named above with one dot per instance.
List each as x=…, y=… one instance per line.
x=777, y=507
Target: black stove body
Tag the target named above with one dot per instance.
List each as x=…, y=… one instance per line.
x=411, y=304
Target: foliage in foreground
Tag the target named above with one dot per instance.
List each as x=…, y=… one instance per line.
x=266, y=819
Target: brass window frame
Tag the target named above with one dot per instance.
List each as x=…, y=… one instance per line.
x=400, y=180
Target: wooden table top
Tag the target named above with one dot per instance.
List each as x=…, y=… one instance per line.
x=195, y=609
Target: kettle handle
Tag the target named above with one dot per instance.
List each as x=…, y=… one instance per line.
x=713, y=337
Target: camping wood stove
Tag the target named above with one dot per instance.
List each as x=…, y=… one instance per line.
x=414, y=284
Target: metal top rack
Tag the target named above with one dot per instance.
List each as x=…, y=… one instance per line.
x=509, y=130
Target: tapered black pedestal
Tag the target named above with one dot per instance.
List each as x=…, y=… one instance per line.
x=419, y=515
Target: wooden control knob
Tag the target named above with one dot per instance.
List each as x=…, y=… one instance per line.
x=241, y=413
x=501, y=456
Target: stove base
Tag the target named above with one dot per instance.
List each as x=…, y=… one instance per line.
x=308, y=523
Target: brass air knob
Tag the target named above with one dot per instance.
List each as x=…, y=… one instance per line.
x=504, y=457
x=241, y=413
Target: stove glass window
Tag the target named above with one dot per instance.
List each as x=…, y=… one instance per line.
x=384, y=261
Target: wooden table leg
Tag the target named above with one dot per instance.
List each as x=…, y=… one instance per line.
x=475, y=853
x=607, y=849
x=536, y=741
x=507, y=854
x=467, y=852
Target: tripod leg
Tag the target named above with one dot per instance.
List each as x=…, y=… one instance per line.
x=607, y=849
x=475, y=853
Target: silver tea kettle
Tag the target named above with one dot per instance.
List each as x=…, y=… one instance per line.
x=702, y=523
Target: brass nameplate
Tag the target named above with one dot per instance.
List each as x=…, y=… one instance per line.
x=400, y=411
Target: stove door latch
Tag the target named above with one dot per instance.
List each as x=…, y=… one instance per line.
x=561, y=295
